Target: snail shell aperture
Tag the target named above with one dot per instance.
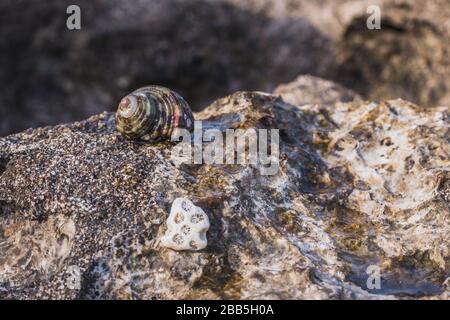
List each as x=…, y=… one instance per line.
x=152, y=114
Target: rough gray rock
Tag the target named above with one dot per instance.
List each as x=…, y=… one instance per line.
x=359, y=184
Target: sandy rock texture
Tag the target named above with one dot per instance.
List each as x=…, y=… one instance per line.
x=360, y=183
x=206, y=49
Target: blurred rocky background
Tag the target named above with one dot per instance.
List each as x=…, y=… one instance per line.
x=205, y=49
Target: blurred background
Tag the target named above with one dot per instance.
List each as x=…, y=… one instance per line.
x=205, y=49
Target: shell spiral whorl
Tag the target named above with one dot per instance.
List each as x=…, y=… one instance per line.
x=152, y=113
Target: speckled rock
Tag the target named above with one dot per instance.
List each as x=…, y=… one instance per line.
x=82, y=210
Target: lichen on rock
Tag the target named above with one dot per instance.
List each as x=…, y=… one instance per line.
x=359, y=183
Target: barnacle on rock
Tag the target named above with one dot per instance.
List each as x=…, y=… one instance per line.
x=186, y=227
x=152, y=114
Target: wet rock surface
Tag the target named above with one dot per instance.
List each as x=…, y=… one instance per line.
x=360, y=183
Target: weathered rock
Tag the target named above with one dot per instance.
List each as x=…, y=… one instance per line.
x=408, y=57
x=311, y=90
x=359, y=184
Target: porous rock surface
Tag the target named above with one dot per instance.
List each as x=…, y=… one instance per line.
x=359, y=184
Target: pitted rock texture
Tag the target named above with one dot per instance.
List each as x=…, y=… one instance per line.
x=359, y=184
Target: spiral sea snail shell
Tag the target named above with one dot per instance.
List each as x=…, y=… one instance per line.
x=152, y=114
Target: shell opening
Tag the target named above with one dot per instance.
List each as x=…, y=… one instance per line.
x=127, y=106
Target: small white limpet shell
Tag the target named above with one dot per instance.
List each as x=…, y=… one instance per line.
x=186, y=227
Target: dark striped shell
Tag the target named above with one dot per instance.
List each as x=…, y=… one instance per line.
x=152, y=113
